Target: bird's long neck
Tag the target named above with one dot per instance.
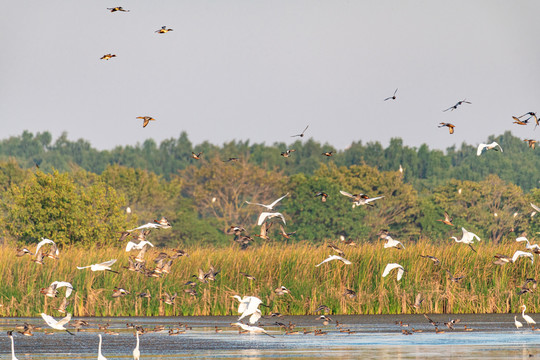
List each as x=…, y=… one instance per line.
x=137, y=340
x=523, y=312
x=99, y=347
x=12, y=349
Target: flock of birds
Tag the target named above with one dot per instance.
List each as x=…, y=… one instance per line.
x=248, y=307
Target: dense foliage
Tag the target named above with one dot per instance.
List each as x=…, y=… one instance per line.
x=75, y=194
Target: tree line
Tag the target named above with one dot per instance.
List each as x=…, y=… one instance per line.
x=85, y=200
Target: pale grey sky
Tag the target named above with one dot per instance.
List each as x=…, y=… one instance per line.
x=263, y=70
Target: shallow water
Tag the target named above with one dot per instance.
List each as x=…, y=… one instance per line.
x=375, y=336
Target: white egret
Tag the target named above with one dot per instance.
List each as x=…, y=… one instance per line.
x=520, y=253
x=517, y=323
x=467, y=238
x=268, y=215
x=335, y=257
x=527, y=318
x=391, y=267
x=271, y=206
x=133, y=246
x=136, y=351
x=52, y=290
x=390, y=243
x=47, y=241
x=13, y=357
x=492, y=146
x=100, y=355
x=252, y=329
x=533, y=247
x=57, y=325
x=249, y=306
x=100, y=267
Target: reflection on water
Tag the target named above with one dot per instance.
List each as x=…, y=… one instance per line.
x=493, y=336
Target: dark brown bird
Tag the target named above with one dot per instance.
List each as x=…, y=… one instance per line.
x=393, y=97
x=351, y=294
x=336, y=249
x=454, y=279
x=249, y=277
x=520, y=122
x=285, y=234
x=452, y=108
x=432, y=258
x=231, y=159
x=450, y=126
x=146, y=119
x=302, y=133
x=22, y=252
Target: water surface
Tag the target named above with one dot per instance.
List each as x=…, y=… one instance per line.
x=372, y=336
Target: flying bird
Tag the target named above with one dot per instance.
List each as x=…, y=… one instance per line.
x=435, y=260
x=323, y=196
x=146, y=119
x=449, y=126
x=251, y=329
x=536, y=209
x=467, y=238
x=163, y=30
x=328, y=153
x=391, y=243
x=531, y=143
x=360, y=199
x=520, y=253
x=492, y=146
x=57, y=325
x=271, y=206
x=196, y=156
x=453, y=278
x=287, y=153
x=104, y=266
x=249, y=305
x=390, y=267
x=447, y=219
x=117, y=8
x=452, y=108
x=519, y=121
x=302, y=133
x=268, y=215
x=335, y=257
x=393, y=97
x=107, y=56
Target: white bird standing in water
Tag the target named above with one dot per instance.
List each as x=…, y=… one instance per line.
x=13, y=357
x=492, y=146
x=527, y=318
x=391, y=267
x=271, y=206
x=100, y=355
x=517, y=323
x=334, y=257
x=57, y=325
x=100, y=267
x=136, y=351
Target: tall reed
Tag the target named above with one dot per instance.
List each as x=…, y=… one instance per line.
x=485, y=288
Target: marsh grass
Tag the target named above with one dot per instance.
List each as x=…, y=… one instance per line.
x=486, y=288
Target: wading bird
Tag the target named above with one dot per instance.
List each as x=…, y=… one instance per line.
x=163, y=30
x=146, y=120
x=449, y=126
x=136, y=351
x=492, y=146
x=390, y=267
x=100, y=355
x=271, y=206
x=393, y=97
x=302, y=133
x=104, y=266
x=520, y=253
x=10, y=334
x=517, y=323
x=452, y=108
x=267, y=215
x=335, y=257
x=57, y=325
x=534, y=247
x=249, y=305
x=525, y=317
x=133, y=246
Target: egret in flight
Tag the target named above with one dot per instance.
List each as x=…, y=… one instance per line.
x=249, y=305
x=268, y=215
x=335, y=257
x=492, y=146
x=520, y=253
x=391, y=267
x=100, y=267
x=57, y=325
x=271, y=206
